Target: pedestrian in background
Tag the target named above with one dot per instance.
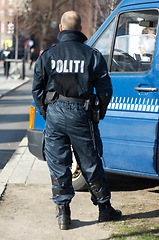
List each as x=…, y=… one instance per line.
x=6, y=64
x=65, y=77
x=32, y=57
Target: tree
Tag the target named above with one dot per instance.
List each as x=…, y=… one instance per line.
x=102, y=9
x=40, y=19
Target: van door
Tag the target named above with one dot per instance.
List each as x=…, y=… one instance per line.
x=130, y=130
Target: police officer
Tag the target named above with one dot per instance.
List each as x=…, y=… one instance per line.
x=65, y=77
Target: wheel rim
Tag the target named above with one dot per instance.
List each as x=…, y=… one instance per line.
x=76, y=172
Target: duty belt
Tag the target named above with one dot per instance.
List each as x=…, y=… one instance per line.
x=61, y=97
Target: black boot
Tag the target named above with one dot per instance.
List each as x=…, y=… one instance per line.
x=64, y=216
x=108, y=213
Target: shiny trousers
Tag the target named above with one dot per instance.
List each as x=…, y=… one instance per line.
x=68, y=123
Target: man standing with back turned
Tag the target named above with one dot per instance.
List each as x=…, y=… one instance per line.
x=65, y=77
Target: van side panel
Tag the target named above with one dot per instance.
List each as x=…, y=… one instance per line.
x=130, y=129
x=130, y=147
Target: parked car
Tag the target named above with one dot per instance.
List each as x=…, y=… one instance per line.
x=129, y=41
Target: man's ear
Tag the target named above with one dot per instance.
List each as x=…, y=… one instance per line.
x=60, y=27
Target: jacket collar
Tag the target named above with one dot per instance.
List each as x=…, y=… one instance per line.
x=71, y=35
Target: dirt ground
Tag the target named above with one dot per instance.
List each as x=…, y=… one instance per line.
x=27, y=212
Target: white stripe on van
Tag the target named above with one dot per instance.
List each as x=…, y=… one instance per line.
x=134, y=104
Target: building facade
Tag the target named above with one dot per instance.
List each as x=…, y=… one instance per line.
x=9, y=9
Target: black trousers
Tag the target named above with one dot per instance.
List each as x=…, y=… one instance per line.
x=68, y=123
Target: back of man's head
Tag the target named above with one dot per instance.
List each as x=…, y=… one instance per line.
x=71, y=21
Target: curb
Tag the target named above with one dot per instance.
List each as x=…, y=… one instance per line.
x=9, y=168
x=24, y=168
x=19, y=85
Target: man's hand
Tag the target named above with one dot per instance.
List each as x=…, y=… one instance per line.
x=104, y=101
x=42, y=111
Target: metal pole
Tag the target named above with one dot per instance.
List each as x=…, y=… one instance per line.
x=23, y=69
x=73, y=5
x=16, y=33
x=7, y=69
x=59, y=11
x=0, y=35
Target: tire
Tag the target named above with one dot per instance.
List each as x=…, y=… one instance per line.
x=78, y=180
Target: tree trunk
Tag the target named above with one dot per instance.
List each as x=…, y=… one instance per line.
x=44, y=31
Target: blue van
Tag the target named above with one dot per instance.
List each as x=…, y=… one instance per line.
x=129, y=42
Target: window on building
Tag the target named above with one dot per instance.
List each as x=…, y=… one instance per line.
x=2, y=13
x=10, y=12
x=10, y=2
x=2, y=27
x=10, y=28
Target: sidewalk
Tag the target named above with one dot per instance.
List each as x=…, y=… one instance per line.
x=19, y=163
x=24, y=168
x=7, y=85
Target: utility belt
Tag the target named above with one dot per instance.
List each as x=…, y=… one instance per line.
x=73, y=99
x=91, y=104
x=51, y=98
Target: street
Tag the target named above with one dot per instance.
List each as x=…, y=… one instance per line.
x=14, y=116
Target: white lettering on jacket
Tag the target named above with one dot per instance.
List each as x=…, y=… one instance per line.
x=76, y=66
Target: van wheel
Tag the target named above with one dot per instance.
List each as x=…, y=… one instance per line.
x=78, y=180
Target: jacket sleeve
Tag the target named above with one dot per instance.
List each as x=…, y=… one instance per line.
x=38, y=88
x=102, y=83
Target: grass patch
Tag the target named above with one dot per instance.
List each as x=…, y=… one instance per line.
x=135, y=232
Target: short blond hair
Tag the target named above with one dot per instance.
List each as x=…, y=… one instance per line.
x=71, y=21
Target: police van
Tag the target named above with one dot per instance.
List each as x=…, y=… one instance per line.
x=129, y=41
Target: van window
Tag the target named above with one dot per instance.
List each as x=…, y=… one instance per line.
x=135, y=41
x=104, y=42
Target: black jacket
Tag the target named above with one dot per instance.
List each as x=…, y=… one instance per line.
x=72, y=69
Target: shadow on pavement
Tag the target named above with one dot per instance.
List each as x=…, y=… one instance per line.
x=75, y=223
x=151, y=214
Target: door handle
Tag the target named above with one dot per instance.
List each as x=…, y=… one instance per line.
x=146, y=89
